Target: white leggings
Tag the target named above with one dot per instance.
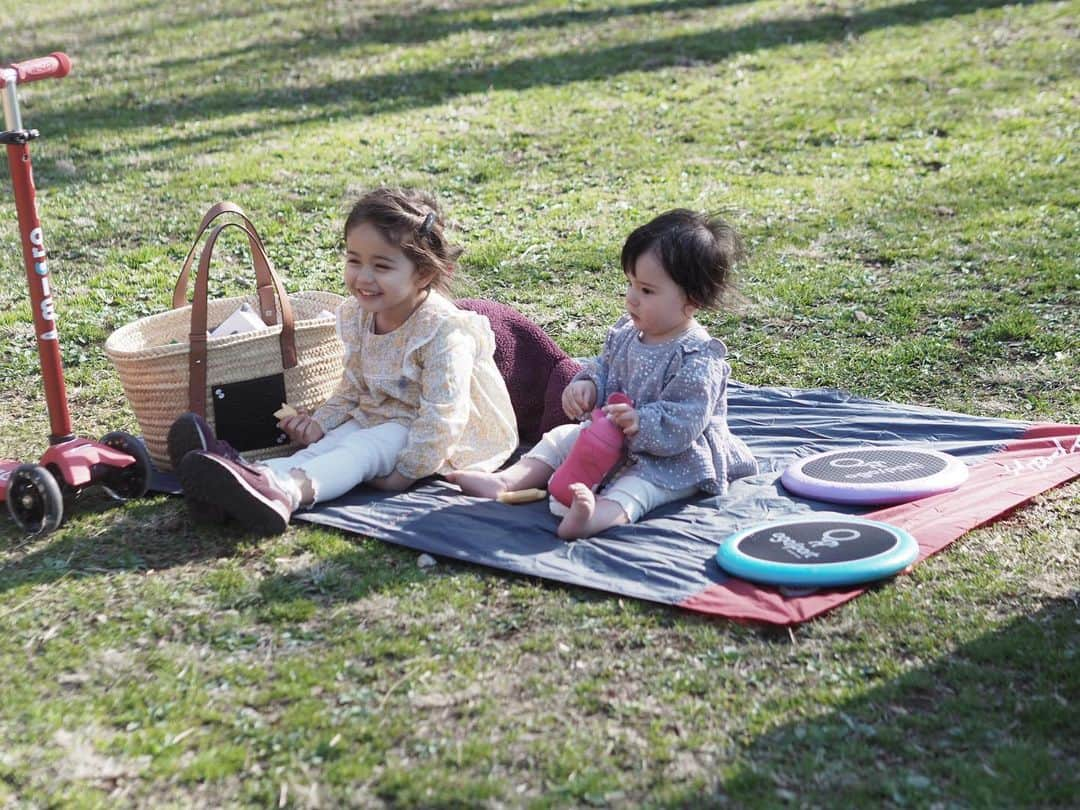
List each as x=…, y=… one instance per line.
x=346, y=456
x=635, y=495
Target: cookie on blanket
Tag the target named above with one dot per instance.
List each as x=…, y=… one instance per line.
x=522, y=496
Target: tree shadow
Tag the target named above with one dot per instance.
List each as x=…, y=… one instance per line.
x=992, y=724
x=421, y=25
x=180, y=16
x=285, y=105
x=402, y=26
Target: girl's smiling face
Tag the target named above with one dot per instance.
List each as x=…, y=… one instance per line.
x=381, y=277
x=657, y=305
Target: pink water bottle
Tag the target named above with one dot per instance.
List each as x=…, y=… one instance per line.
x=599, y=447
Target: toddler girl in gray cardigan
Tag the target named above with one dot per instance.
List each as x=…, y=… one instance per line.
x=676, y=375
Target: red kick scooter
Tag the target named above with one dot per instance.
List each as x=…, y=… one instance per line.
x=35, y=493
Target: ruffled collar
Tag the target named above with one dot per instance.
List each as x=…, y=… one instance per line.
x=694, y=339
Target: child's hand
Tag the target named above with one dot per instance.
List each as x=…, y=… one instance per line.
x=625, y=418
x=301, y=428
x=578, y=398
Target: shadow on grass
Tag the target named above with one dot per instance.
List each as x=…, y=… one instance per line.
x=290, y=105
x=144, y=535
x=158, y=534
x=404, y=27
x=993, y=724
x=179, y=16
x=397, y=26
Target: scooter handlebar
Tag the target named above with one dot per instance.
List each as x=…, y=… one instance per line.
x=54, y=66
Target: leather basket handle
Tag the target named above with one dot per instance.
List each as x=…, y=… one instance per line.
x=264, y=270
x=197, y=356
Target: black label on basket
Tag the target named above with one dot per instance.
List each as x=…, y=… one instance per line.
x=244, y=412
x=872, y=466
x=817, y=542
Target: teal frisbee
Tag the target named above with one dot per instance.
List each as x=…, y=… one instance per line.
x=817, y=551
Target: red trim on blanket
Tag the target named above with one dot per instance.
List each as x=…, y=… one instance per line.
x=1045, y=456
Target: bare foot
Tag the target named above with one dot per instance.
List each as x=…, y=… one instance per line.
x=475, y=482
x=576, y=523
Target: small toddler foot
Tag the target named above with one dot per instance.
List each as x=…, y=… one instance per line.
x=576, y=523
x=477, y=483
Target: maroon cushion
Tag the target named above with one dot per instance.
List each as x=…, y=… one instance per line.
x=536, y=370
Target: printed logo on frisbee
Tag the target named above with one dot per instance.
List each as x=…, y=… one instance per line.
x=817, y=543
x=874, y=465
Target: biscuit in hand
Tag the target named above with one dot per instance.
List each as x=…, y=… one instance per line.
x=285, y=411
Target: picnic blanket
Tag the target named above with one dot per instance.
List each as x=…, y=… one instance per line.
x=670, y=556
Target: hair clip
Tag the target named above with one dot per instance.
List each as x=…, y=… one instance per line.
x=429, y=223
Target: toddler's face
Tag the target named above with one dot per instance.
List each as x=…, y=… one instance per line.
x=657, y=305
x=381, y=277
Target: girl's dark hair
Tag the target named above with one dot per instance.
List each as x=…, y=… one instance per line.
x=697, y=250
x=411, y=220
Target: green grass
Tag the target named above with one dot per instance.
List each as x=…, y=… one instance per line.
x=906, y=176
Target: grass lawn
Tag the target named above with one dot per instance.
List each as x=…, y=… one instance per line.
x=906, y=174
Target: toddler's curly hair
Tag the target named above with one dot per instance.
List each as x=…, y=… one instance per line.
x=699, y=251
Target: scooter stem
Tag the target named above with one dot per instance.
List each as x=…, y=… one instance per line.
x=35, y=257
x=12, y=118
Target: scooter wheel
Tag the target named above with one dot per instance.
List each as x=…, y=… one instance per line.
x=124, y=483
x=34, y=499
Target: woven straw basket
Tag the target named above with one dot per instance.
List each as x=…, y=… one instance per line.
x=159, y=372
x=151, y=357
